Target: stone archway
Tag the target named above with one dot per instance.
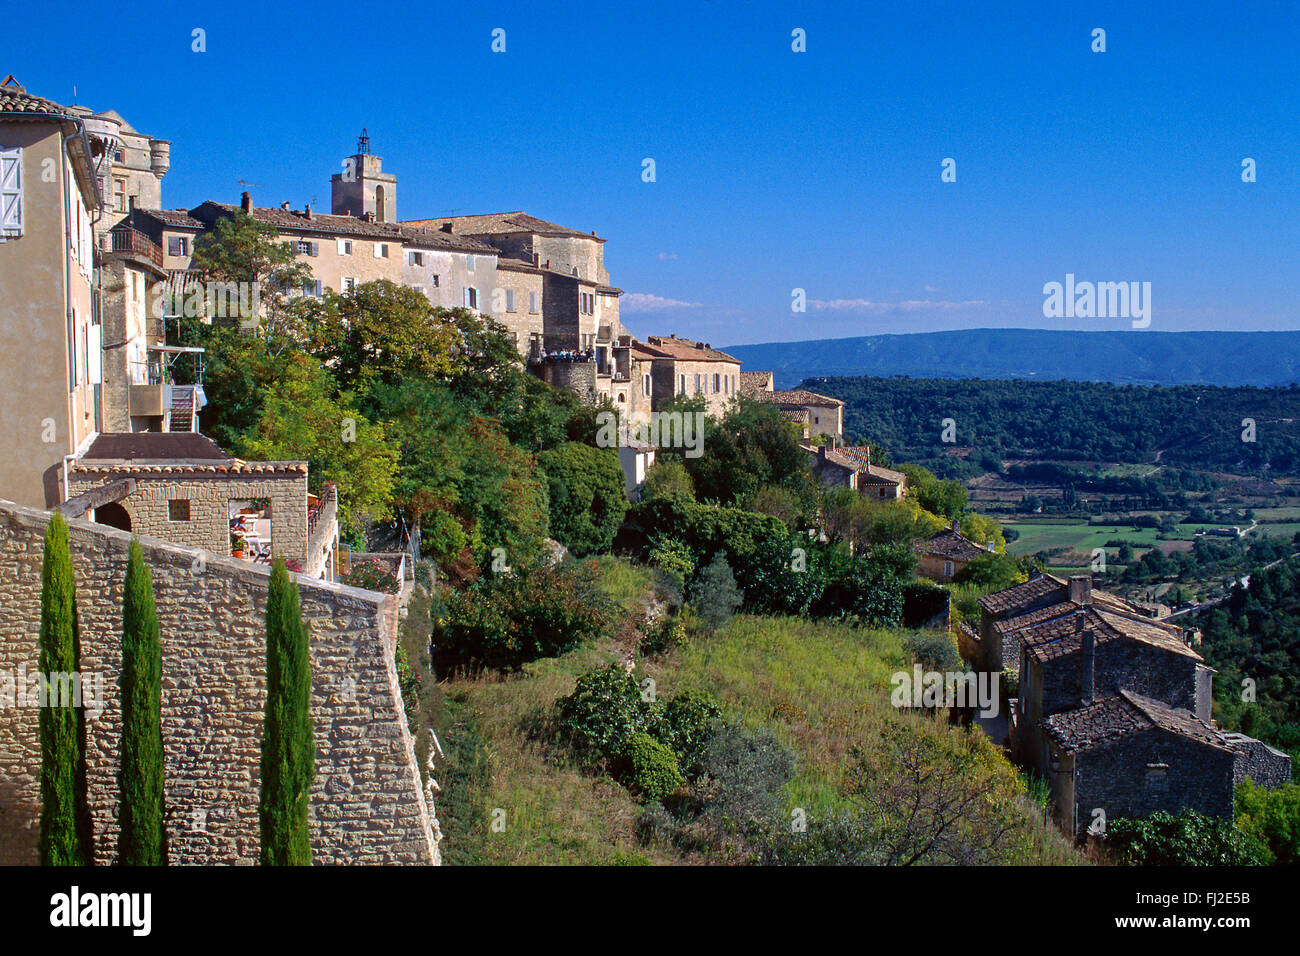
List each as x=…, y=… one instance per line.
x=113, y=515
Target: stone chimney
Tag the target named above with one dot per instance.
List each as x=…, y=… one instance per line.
x=246, y=203
x=307, y=211
x=1087, y=659
x=1081, y=588
x=285, y=205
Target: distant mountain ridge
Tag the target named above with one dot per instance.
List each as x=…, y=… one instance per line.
x=1121, y=357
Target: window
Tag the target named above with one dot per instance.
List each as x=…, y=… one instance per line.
x=418, y=288
x=433, y=281
x=510, y=300
x=349, y=284
x=682, y=385
x=178, y=509
x=587, y=303
x=311, y=287
x=469, y=263
x=345, y=247
x=117, y=155
x=645, y=385
x=417, y=258
x=304, y=248
x=698, y=387
x=119, y=195
x=947, y=565
x=11, y=193
x=532, y=303
x=178, y=246
x=471, y=297
x=381, y=250
x=717, y=382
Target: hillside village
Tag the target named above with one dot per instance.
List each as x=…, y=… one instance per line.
x=131, y=384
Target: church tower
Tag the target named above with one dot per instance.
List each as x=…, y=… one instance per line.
x=363, y=187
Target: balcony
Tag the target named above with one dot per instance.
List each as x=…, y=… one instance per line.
x=132, y=242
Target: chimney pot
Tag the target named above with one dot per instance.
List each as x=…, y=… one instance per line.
x=1081, y=588
x=285, y=205
x=246, y=202
x=1087, y=662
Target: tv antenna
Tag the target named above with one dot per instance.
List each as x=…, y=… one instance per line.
x=245, y=182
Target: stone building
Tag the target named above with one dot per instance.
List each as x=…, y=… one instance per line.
x=50, y=376
x=818, y=415
x=851, y=466
x=945, y=553
x=1113, y=707
x=663, y=367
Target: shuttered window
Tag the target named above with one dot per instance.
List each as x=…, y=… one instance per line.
x=11, y=193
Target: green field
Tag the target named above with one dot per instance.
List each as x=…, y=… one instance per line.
x=1038, y=536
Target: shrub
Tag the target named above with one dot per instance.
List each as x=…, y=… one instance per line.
x=506, y=621
x=1188, y=838
x=647, y=767
x=742, y=783
x=588, y=497
x=933, y=650
x=373, y=576
x=715, y=595
x=666, y=478
x=664, y=634
x=690, y=721
x=603, y=711
x=1271, y=818
x=442, y=538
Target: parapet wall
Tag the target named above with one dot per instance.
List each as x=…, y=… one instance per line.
x=367, y=805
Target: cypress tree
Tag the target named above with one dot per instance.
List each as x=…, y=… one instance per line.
x=65, y=838
x=288, y=748
x=142, y=835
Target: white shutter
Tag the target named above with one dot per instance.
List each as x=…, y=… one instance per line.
x=11, y=193
x=342, y=247
x=94, y=357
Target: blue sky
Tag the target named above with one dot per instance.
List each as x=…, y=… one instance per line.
x=775, y=170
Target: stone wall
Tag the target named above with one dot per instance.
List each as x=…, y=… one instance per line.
x=367, y=805
x=1150, y=771
x=209, y=497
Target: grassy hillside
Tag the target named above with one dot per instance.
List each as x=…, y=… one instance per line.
x=821, y=688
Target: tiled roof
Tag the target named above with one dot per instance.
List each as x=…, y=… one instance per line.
x=1024, y=594
x=500, y=223
x=1061, y=635
x=437, y=239
x=166, y=453
x=320, y=224
x=1113, y=718
x=14, y=98
x=796, y=396
x=172, y=218
x=951, y=544
x=683, y=350
x=855, y=459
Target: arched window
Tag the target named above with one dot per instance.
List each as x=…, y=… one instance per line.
x=379, y=204
x=113, y=515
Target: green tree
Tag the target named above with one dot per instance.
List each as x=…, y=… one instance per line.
x=142, y=833
x=65, y=838
x=587, y=496
x=288, y=749
x=715, y=595
x=301, y=419
x=1188, y=838
x=668, y=477
x=1271, y=818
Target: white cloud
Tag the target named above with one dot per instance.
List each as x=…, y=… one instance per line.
x=667, y=257
x=907, y=305
x=647, y=302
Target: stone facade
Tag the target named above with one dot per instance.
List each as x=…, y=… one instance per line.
x=368, y=804
x=207, y=527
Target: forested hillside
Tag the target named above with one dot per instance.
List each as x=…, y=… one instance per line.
x=1188, y=426
x=1134, y=358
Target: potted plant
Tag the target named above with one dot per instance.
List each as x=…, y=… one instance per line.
x=236, y=545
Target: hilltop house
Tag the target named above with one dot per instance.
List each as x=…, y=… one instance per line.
x=817, y=415
x=851, y=465
x=945, y=553
x=1113, y=708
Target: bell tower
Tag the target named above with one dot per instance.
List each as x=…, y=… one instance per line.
x=363, y=188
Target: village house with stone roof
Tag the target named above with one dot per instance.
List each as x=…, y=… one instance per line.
x=1113, y=708
x=944, y=554
x=851, y=466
